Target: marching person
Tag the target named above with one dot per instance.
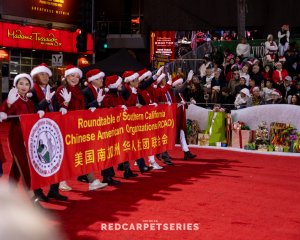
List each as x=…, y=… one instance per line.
x=113, y=98
x=43, y=99
x=18, y=103
x=175, y=95
x=131, y=80
x=93, y=98
x=70, y=98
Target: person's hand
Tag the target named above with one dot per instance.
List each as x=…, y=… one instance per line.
x=3, y=116
x=133, y=90
x=124, y=108
x=92, y=109
x=63, y=111
x=159, y=71
x=153, y=104
x=100, y=97
x=41, y=113
x=169, y=103
x=65, y=95
x=13, y=96
x=169, y=79
x=193, y=101
x=138, y=105
x=190, y=76
x=49, y=94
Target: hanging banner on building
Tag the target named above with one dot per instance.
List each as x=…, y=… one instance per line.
x=38, y=38
x=162, y=43
x=63, y=146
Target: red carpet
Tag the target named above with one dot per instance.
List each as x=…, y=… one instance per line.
x=230, y=195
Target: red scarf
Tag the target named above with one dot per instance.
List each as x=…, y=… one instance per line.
x=92, y=88
x=77, y=99
x=40, y=94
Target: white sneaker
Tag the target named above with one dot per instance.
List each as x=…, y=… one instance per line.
x=155, y=166
x=96, y=184
x=63, y=186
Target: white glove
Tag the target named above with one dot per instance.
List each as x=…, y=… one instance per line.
x=63, y=111
x=133, y=90
x=92, y=109
x=65, y=95
x=3, y=116
x=153, y=104
x=159, y=71
x=124, y=107
x=49, y=94
x=169, y=103
x=41, y=113
x=193, y=101
x=13, y=96
x=190, y=76
x=169, y=79
x=100, y=97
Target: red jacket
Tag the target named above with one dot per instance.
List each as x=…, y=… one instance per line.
x=276, y=75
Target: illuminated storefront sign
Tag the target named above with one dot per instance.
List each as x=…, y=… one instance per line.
x=38, y=38
x=4, y=55
x=65, y=11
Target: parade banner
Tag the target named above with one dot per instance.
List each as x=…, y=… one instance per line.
x=63, y=146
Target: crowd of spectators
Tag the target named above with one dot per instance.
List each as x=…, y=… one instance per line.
x=237, y=80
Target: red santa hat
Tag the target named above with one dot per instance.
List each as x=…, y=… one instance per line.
x=160, y=78
x=113, y=81
x=71, y=69
x=144, y=73
x=256, y=88
x=282, y=59
x=277, y=93
x=23, y=75
x=130, y=76
x=41, y=68
x=94, y=74
x=176, y=81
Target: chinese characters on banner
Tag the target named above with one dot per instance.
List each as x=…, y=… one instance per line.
x=63, y=146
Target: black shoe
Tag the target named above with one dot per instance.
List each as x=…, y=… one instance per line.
x=158, y=156
x=57, y=196
x=83, y=178
x=39, y=194
x=189, y=155
x=168, y=162
x=128, y=173
x=121, y=167
x=110, y=181
x=145, y=169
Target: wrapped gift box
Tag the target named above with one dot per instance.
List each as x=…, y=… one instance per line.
x=242, y=137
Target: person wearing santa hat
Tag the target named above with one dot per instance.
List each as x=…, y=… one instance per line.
x=18, y=103
x=131, y=80
x=279, y=74
x=175, y=95
x=276, y=97
x=94, y=94
x=70, y=98
x=144, y=96
x=113, y=98
x=43, y=98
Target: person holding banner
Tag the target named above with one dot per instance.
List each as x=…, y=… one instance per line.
x=175, y=95
x=131, y=80
x=114, y=99
x=144, y=97
x=93, y=98
x=43, y=98
x=70, y=98
x=18, y=103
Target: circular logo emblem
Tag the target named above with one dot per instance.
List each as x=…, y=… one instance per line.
x=46, y=147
